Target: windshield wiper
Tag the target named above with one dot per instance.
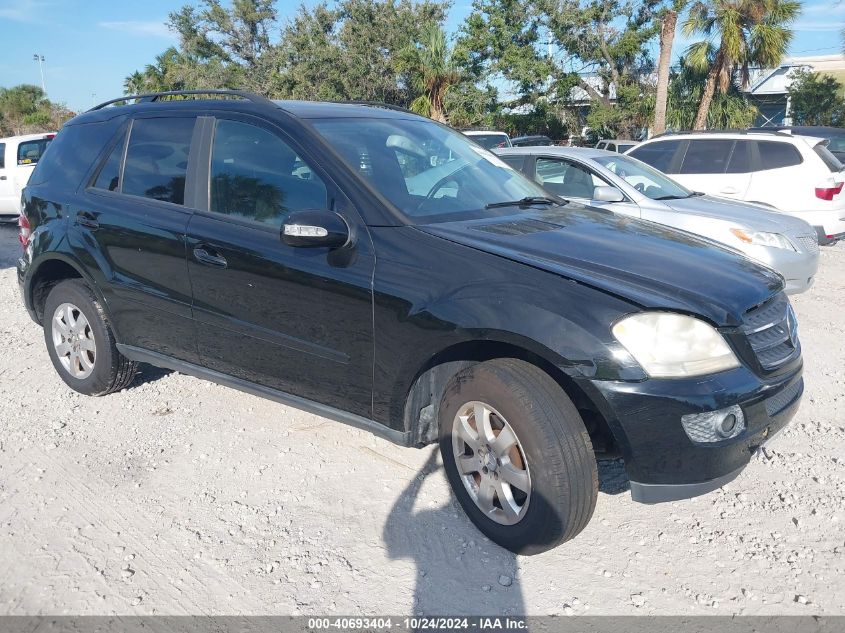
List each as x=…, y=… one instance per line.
x=524, y=202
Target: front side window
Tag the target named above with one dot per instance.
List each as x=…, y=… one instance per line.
x=428, y=172
x=256, y=176
x=659, y=155
x=566, y=179
x=30, y=151
x=157, y=158
x=643, y=178
x=774, y=155
x=707, y=156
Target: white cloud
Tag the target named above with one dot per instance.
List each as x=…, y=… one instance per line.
x=138, y=27
x=819, y=26
x=22, y=10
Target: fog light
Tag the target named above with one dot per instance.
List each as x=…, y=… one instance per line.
x=714, y=426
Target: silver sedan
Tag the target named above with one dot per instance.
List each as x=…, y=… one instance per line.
x=627, y=186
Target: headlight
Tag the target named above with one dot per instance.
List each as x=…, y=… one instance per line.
x=759, y=238
x=668, y=345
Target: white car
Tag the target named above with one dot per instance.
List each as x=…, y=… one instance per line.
x=626, y=186
x=18, y=157
x=794, y=174
x=614, y=145
x=489, y=139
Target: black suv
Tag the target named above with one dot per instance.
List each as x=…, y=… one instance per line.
x=381, y=269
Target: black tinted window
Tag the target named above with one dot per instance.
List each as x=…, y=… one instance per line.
x=2, y=155
x=72, y=154
x=659, y=155
x=157, y=158
x=774, y=155
x=740, y=161
x=109, y=176
x=707, y=156
x=257, y=176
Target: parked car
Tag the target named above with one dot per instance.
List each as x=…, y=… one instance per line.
x=522, y=335
x=794, y=174
x=489, y=139
x=835, y=136
x=531, y=141
x=630, y=187
x=18, y=157
x=615, y=145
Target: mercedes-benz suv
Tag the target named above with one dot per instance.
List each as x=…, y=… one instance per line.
x=381, y=269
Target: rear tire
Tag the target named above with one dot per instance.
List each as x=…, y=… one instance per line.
x=80, y=341
x=535, y=436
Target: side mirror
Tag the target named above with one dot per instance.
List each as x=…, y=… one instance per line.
x=315, y=227
x=608, y=194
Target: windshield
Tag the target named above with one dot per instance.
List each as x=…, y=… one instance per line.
x=490, y=141
x=428, y=172
x=643, y=178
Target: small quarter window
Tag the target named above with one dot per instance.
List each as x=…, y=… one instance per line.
x=659, y=155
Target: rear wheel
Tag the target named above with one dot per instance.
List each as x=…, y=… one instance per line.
x=80, y=342
x=517, y=455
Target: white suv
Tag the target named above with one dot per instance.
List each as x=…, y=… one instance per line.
x=794, y=174
x=18, y=157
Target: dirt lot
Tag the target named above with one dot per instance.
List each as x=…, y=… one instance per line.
x=177, y=496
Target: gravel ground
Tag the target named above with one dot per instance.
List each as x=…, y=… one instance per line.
x=177, y=496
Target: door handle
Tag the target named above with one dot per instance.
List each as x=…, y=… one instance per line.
x=730, y=190
x=2, y=177
x=206, y=255
x=83, y=218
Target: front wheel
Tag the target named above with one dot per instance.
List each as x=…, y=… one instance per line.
x=517, y=455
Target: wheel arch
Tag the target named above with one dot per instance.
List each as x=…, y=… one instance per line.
x=423, y=397
x=49, y=271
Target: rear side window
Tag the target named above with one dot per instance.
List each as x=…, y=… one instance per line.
x=256, y=176
x=72, y=153
x=30, y=151
x=659, y=155
x=740, y=160
x=2, y=156
x=517, y=162
x=774, y=155
x=707, y=156
x=830, y=161
x=157, y=158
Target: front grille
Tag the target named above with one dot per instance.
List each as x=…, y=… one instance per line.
x=772, y=332
x=780, y=401
x=807, y=243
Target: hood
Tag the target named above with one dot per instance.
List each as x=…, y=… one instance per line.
x=648, y=264
x=753, y=216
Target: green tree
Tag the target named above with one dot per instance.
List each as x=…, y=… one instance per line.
x=433, y=71
x=738, y=34
x=24, y=110
x=816, y=99
x=728, y=110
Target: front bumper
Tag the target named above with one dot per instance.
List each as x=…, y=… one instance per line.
x=662, y=462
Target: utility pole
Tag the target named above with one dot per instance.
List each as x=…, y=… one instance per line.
x=40, y=59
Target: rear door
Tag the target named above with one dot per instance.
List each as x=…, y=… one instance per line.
x=720, y=167
x=299, y=320
x=778, y=163
x=132, y=219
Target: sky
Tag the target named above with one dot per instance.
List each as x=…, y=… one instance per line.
x=90, y=46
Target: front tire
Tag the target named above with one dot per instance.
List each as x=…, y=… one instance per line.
x=80, y=341
x=517, y=455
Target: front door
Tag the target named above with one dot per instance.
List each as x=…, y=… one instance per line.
x=296, y=319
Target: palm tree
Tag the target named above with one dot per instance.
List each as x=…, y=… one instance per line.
x=432, y=71
x=748, y=32
x=134, y=84
x=668, y=24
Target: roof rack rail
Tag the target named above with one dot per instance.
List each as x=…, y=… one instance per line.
x=155, y=96
x=729, y=131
